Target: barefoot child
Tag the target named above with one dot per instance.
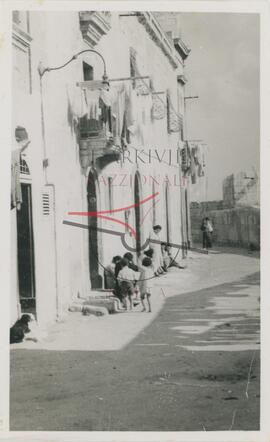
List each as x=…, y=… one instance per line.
x=146, y=282
x=126, y=278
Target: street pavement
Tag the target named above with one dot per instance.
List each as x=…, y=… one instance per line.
x=191, y=365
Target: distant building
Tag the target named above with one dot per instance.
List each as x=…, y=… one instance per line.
x=241, y=189
x=236, y=218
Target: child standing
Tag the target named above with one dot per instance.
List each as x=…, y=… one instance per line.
x=134, y=267
x=126, y=278
x=146, y=282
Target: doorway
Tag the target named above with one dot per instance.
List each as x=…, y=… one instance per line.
x=95, y=278
x=137, y=213
x=25, y=244
x=167, y=213
x=187, y=217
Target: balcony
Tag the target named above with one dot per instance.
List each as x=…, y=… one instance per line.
x=97, y=145
x=174, y=119
x=94, y=25
x=181, y=48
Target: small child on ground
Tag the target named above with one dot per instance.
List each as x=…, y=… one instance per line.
x=126, y=278
x=146, y=282
x=165, y=256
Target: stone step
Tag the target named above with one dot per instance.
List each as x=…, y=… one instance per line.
x=88, y=309
x=97, y=300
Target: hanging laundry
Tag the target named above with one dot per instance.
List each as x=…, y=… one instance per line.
x=200, y=171
x=193, y=170
x=83, y=111
x=131, y=109
x=118, y=96
x=92, y=99
x=158, y=108
x=105, y=115
x=106, y=97
x=16, y=191
x=194, y=151
x=200, y=153
x=175, y=122
x=141, y=86
x=184, y=158
x=125, y=139
x=146, y=129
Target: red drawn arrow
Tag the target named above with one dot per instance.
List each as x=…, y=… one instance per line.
x=100, y=214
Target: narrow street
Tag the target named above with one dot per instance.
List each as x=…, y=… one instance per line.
x=194, y=367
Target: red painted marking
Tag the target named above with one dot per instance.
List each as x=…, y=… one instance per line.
x=118, y=221
x=116, y=210
x=102, y=212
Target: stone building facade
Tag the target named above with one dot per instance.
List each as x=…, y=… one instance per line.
x=94, y=131
x=235, y=218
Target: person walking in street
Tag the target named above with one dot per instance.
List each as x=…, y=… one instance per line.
x=146, y=282
x=155, y=244
x=207, y=231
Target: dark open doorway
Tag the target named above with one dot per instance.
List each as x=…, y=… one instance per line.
x=187, y=217
x=167, y=213
x=96, y=279
x=26, y=264
x=137, y=213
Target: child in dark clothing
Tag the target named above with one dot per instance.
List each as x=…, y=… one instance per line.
x=126, y=277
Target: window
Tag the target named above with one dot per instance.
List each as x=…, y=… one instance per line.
x=21, y=41
x=24, y=169
x=88, y=72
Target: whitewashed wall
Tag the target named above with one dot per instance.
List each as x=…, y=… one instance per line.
x=61, y=252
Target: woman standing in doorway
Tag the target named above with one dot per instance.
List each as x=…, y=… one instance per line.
x=155, y=244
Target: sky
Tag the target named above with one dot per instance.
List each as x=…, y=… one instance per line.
x=223, y=70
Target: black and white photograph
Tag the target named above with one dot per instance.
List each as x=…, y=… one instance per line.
x=135, y=222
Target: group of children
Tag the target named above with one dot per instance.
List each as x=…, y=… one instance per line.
x=128, y=280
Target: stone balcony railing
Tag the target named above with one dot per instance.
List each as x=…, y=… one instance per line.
x=94, y=25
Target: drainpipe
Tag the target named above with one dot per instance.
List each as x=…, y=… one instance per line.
x=52, y=186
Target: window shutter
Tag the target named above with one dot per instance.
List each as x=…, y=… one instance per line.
x=46, y=206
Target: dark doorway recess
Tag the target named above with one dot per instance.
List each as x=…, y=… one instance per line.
x=137, y=213
x=26, y=263
x=96, y=279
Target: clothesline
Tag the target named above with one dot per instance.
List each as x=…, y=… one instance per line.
x=93, y=84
